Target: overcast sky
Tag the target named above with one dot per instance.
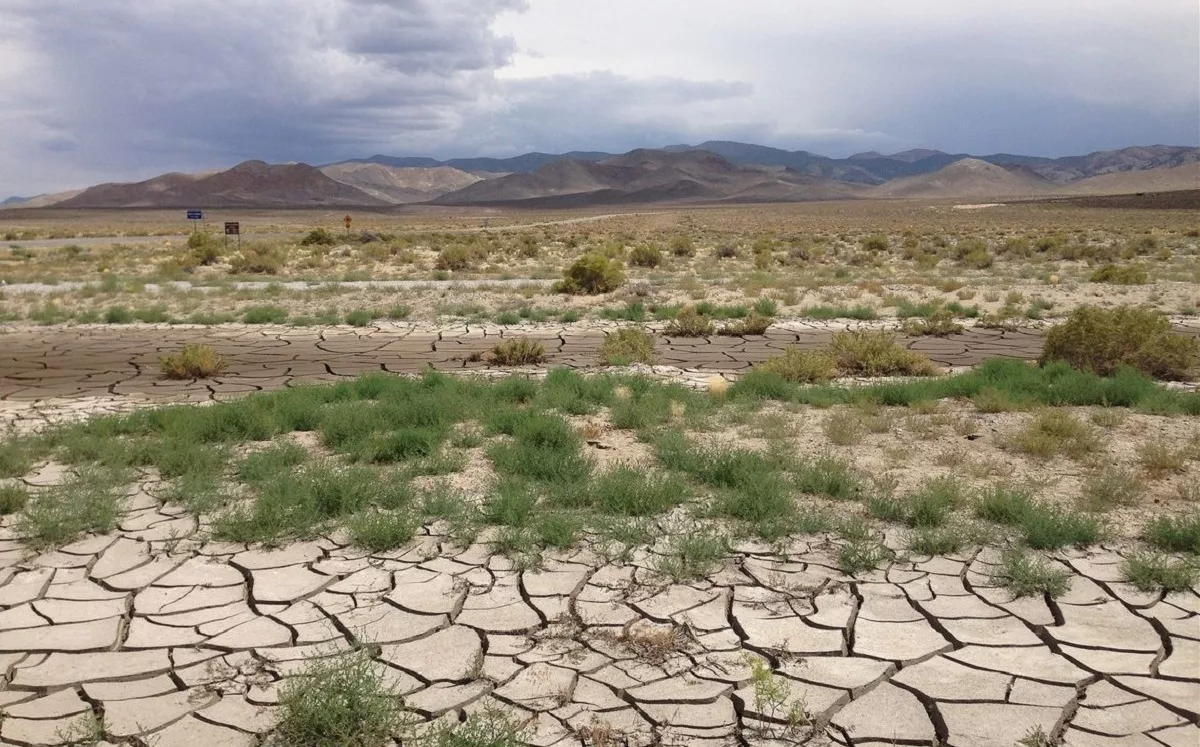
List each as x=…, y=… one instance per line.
x=106, y=90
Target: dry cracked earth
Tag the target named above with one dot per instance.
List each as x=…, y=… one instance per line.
x=176, y=640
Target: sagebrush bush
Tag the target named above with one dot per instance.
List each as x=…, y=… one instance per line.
x=1101, y=340
x=627, y=345
x=591, y=274
x=938, y=324
x=801, y=366
x=455, y=258
x=689, y=322
x=646, y=255
x=870, y=353
x=318, y=237
x=1120, y=275
x=754, y=324
x=204, y=248
x=259, y=258
x=518, y=352
x=193, y=362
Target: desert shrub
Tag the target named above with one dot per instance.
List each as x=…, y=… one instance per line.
x=754, y=324
x=646, y=255
x=979, y=259
x=1053, y=432
x=689, y=323
x=725, y=251
x=875, y=243
x=519, y=351
x=318, y=237
x=455, y=258
x=1101, y=340
x=801, y=366
x=204, y=248
x=265, y=315
x=1120, y=275
x=627, y=345
x=592, y=274
x=1175, y=533
x=877, y=354
x=259, y=258
x=683, y=246
x=193, y=362
x=938, y=324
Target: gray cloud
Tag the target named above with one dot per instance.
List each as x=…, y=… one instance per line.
x=108, y=89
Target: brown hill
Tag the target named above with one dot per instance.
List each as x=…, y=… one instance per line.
x=969, y=177
x=1168, y=179
x=400, y=184
x=647, y=176
x=250, y=184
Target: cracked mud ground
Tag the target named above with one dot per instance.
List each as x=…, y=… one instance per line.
x=181, y=641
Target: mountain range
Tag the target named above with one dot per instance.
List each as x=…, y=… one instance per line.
x=711, y=172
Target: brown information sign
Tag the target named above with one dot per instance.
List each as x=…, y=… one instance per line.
x=233, y=228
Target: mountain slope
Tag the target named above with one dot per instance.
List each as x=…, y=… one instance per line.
x=646, y=176
x=1164, y=179
x=969, y=177
x=399, y=184
x=249, y=184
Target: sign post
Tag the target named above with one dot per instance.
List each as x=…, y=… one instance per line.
x=233, y=228
x=347, y=220
x=195, y=215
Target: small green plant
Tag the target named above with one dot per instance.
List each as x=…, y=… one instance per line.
x=489, y=727
x=1109, y=488
x=193, y=362
x=829, y=313
x=360, y=317
x=773, y=701
x=592, y=274
x=627, y=345
x=1175, y=533
x=519, y=351
x=1151, y=572
x=689, y=322
x=1102, y=340
x=1159, y=459
x=12, y=499
x=683, y=246
x=259, y=258
x=1055, y=432
x=1037, y=737
x=340, y=701
x=1027, y=574
x=265, y=315
x=380, y=531
x=691, y=556
x=86, y=502
x=860, y=555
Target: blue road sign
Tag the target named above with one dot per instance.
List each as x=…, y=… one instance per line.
x=195, y=215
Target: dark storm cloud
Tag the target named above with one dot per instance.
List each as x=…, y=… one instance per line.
x=97, y=90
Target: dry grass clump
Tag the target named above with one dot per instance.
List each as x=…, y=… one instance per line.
x=801, y=366
x=877, y=354
x=1101, y=340
x=690, y=323
x=518, y=352
x=754, y=324
x=193, y=362
x=1120, y=275
x=939, y=324
x=627, y=345
x=867, y=354
x=259, y=258
x=1057, y=432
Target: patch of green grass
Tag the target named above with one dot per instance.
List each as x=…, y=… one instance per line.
x=1005, y=504
x=798, y=366
x=12, y=499
x=378, y=530
x=1109, y=488
x=940, y=540
x=1160, y=459
x=629, y=491
x=632, y=311
x=1152, y=572
x=265, y=315
x=1175, y=533
x=544, y=448
x=361, y=317
x=1056, y=433
x=693, y=555
x=118, y=315
x=1027, y=574
x=340, y=701
x=829, y=313
x=16, y=458
x=1042, y=525
x=829, y=477
x=86, y=502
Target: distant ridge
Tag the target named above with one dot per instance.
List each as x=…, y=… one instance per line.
x=745, y=172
